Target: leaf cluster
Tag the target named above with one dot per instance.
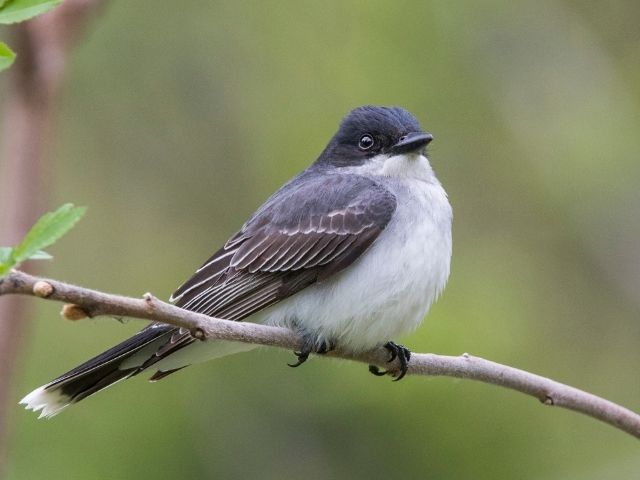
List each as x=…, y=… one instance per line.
x=45, y=232
x=15, y=11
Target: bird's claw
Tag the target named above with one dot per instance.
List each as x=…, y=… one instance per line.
x=311, y=345
x=302, y=357
x=400, y=352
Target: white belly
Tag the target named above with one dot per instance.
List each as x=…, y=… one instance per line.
x=387, y=291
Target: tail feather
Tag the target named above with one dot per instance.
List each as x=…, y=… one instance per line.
x=115, y=364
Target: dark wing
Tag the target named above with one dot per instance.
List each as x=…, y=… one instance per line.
x=307, y=231
x=304, y=233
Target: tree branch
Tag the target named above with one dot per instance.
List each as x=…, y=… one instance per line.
x=83, y=302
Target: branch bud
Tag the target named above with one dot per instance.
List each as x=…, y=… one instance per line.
x=73, y=312
x=42, y=289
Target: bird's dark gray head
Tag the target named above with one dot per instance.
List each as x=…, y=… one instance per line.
x=372, y=130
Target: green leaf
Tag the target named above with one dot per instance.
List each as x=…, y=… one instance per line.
x=49, y=228
x=14, y=11
x=6, y=56
x=6, y=260
x=40, y=255
x=5, y=254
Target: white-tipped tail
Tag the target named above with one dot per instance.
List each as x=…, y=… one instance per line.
x=119, y=362
x=51, y=402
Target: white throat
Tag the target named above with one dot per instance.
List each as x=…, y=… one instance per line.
x=408, y=165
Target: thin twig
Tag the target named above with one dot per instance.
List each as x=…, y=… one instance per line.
x=92, y=303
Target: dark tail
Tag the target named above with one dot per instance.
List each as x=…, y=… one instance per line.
x=120, y=362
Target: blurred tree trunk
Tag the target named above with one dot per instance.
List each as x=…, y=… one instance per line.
x=42, y=45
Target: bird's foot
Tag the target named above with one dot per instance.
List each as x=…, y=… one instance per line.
x=397, y=351
x=310, y=344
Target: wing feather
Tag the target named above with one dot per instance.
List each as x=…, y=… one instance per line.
x=293, y=254
x=289, y=245
x=212, y=270
x=308, y=245
x=253, y=249
x=328, y=254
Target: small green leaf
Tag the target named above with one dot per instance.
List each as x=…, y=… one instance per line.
x=49, y=228
x=13, y=11
x=6, y=260
x=40, y=255
x=5, y=254
x=6, y=56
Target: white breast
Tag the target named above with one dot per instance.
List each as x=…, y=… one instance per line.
x=387, y=291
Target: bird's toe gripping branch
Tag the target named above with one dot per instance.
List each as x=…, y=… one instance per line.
x=402, y=353
x=311, y=344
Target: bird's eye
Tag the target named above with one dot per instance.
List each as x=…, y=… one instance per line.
x=366, y=142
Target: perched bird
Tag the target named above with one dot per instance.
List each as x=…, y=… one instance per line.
x=351, y=253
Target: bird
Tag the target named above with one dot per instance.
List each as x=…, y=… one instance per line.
x=350, y=253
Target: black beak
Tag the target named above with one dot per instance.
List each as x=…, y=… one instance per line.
x=412, y=142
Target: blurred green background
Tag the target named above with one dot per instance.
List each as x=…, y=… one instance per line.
x=179, y=118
